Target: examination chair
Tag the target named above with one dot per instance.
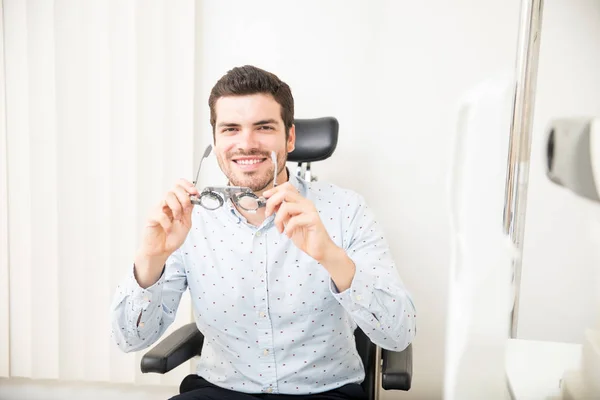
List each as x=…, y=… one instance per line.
x=316, y=140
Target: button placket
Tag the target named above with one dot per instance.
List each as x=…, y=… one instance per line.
x=265, y=327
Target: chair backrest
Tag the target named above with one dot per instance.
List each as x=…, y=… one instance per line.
x=316, y=140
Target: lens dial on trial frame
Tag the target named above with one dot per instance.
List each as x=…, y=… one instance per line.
x=213, y=197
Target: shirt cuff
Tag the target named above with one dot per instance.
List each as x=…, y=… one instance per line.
x=144, y=301
x=358, y=295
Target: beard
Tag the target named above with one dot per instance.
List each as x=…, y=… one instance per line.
x=257, y=180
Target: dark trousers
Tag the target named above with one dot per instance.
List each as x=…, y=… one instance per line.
x=195, y=387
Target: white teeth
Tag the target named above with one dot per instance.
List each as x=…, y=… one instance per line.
x=248, y=162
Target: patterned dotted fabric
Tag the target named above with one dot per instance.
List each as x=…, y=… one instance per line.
x=272, y=318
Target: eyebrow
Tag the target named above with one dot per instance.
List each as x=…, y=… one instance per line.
x=265, y=122
x=258, y=123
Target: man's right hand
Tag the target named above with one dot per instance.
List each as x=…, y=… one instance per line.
x=166, y=230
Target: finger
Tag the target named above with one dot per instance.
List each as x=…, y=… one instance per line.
x=161, y=219
x=165, y=222
x=274, y=202
x=298, y=222
x=280, y=188
x=187, y=186
x=164, y=208
x=276, y=199
x=184, y=198
x=174, y=205
x=285, y=212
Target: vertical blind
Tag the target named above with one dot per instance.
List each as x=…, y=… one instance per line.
x=98, y=99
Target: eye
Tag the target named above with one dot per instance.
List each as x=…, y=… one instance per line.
x=229, y=130
x=266, y=127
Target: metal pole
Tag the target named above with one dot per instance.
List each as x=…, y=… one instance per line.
x=378, y=372
x=519, y=152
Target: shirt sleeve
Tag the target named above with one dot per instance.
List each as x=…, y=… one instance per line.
x=377, y=299
x=157, y=305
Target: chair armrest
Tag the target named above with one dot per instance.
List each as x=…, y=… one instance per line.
x=180, y=346
x=396, y=369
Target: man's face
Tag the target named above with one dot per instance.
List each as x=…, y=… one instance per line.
x=247, y=129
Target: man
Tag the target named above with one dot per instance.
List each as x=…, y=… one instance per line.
x=277, y=292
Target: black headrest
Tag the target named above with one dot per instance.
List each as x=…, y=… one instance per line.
x=316, y=139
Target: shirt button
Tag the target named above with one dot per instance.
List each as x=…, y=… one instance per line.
x=258, y=233
x=262, y=314
x=141, y=325
x=359, y=297
x=269, y=390
x=266, y=352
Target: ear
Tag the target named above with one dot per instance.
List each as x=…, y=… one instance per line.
x=291, y=142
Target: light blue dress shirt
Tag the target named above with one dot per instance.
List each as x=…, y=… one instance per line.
x=272, y=318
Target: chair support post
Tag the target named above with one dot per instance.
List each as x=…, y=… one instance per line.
x=378, y=361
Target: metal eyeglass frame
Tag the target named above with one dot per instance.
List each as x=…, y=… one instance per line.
x=220, y=194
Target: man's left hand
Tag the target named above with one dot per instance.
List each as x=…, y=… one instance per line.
x=299, y=220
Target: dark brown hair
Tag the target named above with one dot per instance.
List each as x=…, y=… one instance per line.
x=249, y=80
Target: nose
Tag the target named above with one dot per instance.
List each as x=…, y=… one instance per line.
x=248, y=139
